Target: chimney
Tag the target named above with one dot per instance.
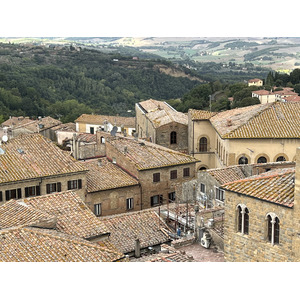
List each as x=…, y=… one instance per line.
x=229, y=122
x=137, y=248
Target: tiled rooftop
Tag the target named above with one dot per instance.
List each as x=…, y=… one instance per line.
x=263, y=92
x=145, y=225
x=16, y=121
x=254, y=80
x=104, y=175
x=99, y=120
x=73, y=216
x=160, y=113
x=201, y=114
x=34, y=156
x=227, y=174
x=86, y=137
x=41, y=245
x=276, y=186
x=146, y=155
x=70, y=127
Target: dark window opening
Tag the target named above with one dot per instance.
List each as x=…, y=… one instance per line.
x=156, y=177
x=280, y=158
x=203, y=144
x=156, y=200
x=173, y=137
x=186, y=172
x=261, y=160
x=173, y=174
x=243, y=160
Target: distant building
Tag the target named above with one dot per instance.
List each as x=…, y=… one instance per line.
x=255, y=82
x=159, y=123
x=264, y=96
x=91, y=123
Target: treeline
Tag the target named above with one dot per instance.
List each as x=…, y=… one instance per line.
x=66, y=82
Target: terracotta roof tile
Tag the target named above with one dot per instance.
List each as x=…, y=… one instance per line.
x=160, y=113
x=227, y=174
x=276, y=186
x=104, y=175
x=201, y=114
x=34, y=156
x=146, y=225
x=146, y=155
x=41, y=245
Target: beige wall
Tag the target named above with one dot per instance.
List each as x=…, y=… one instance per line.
x=114, y=201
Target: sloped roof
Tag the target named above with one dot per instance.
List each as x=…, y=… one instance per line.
x=275, y=186
x=254, y=80
x=73, y=216
x=104, y=175
x=227, y=174
x=201, y=114
x=16, y=121
x=41, y=245
x=99, y=120
x=34, y=156
x=145, y=225
x=70, y=127
x=160, y=113
x=146, y=155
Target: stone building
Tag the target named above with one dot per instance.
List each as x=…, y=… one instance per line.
x=110, y=190
x=255, y=82
x=31, y=165
x=262, y=216
x=91, y=123
x=158, y=122
x=158, y=169
x=253, y=134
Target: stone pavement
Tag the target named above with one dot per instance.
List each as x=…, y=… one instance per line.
x=200, y=253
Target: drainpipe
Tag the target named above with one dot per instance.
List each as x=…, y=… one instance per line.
x=137, y=248
x=193, y=137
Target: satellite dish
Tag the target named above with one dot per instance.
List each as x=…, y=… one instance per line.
x=114, y=131
x=4, y=138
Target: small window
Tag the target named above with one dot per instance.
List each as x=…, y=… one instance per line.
x=203, y=144
x=202, y=188
x=129, y=203
x=220, y=194
x=13, y=194
x=97, y=209
x=273, y=229
x=156, y=177
x=1, y=197
x=172, y=197
x=92, y=130
x=102, y=140
x=243, y=219
x=74, y=184
x=173, y=137
x=173, y=174
x=280, y=158
x=261, y=160
x=32, y=191
x=114, y=160
x=243, y=160
x=53, y=187
x=156, y=200
x=186, y=172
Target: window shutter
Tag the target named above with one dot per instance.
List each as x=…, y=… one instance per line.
x=38, y=190
x=161, y=199
x=48, y=188
x=79, y=183
x=69, y=185
x=59, y=186
x=1, y=199
x=19, y=193
x=26, y=192
x=6, y=195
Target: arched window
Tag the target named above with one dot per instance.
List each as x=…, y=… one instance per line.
x=243, y=160
x=273, y=229
x=243, y=219
x=173, y=137
x=280, y=158
x=202, y=169
x=261, y=160
x=203, y=144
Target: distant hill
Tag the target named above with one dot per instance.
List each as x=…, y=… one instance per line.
x=39, y=79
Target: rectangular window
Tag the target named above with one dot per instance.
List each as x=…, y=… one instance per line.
x=13, y=194
x=32, y=191
x=129, y=203
x=186, y=172
x=156, y=177
x=202, y=188
x=156, y=200
x=1, y=198
x=172, y=197
x=92, y=130
x=220, y=194
x=97, y=209
x=173, y=174
x=74, y=184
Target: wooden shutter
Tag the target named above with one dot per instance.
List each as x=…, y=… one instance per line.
x=19, y=193
x=1, y=199
x=59, y=186
x=48, y=188
x=7, y=195
x=79, y=183
x=38, y=190
x=69, y=185
x=26, y=192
